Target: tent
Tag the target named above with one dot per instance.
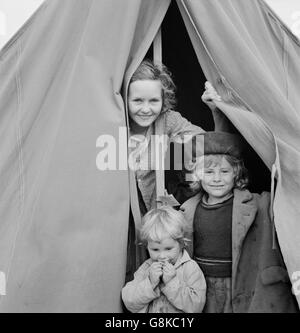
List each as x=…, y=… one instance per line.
x=64, y=222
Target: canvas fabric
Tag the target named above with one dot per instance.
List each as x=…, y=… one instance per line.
x=63, y=222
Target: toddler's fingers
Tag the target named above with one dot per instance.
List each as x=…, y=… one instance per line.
x=157, y=270
x=167, y=267
x=156, y=264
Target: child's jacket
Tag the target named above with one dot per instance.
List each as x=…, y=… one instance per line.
x=184, y=293
x=260, y=282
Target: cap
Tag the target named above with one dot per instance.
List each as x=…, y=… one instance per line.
x=218, y=143
x=223, y=143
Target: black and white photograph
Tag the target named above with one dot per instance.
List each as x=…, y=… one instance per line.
x=150, y=159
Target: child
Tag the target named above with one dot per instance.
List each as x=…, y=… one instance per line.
x=170, y=281
x=150, y=102
x=151, y=99
x=232, y=234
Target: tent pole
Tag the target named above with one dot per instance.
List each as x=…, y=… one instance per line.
x=159, y=128
x=157, y=48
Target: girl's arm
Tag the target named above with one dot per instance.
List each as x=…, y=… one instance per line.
x=189, y=294
x=177, y=127
x=138, y=293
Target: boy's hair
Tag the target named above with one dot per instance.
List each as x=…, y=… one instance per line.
x=164, y=222
x=241, y=179
x=147, y=70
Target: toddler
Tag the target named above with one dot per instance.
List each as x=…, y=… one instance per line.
x=169, y=281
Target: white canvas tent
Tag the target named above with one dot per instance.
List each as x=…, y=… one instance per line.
x=63, y=223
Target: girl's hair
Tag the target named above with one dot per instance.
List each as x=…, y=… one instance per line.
x=164, y=222
x=147, y=70
x=241, y=179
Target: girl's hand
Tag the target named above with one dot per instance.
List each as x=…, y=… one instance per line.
x=155, y=272
x=210, y=95
x=168, y=272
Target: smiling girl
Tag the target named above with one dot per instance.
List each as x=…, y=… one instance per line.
x=151, y=99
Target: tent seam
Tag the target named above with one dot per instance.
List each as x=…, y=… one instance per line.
x=285, y=65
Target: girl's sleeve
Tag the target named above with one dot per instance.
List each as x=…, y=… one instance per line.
x=187, y=295
x=138, y=293
x=178, y=127
x=181, y=131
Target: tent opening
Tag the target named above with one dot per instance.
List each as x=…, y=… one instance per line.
x=179, y=56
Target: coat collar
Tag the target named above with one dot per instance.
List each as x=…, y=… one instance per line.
x=189, y=208
x=184, y=258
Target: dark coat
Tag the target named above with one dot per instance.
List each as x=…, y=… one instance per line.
x=260, y=282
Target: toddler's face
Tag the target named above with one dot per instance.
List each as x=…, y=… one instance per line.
x=144, y=102
x=218, y=180
x=167, y=249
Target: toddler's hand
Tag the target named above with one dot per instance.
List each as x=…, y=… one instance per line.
x=155, y=272
x=210, y=95
x=168, y=272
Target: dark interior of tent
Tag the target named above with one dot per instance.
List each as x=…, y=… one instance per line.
x=180, y=58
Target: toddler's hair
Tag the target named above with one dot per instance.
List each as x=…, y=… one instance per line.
x=241, y=179
x=164, y=222
x=147, y=70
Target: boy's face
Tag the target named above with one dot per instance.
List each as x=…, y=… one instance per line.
x=218, y=180
x=168, y=249
x=145, y=102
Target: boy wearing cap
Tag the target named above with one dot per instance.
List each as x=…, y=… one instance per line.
x=232, y=238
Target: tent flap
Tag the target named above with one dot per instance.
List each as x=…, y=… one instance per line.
x=246, y=54
x=64, y=222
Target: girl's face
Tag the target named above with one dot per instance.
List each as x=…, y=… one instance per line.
x=168, y=249
x=144, y=103
x=218, y=181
